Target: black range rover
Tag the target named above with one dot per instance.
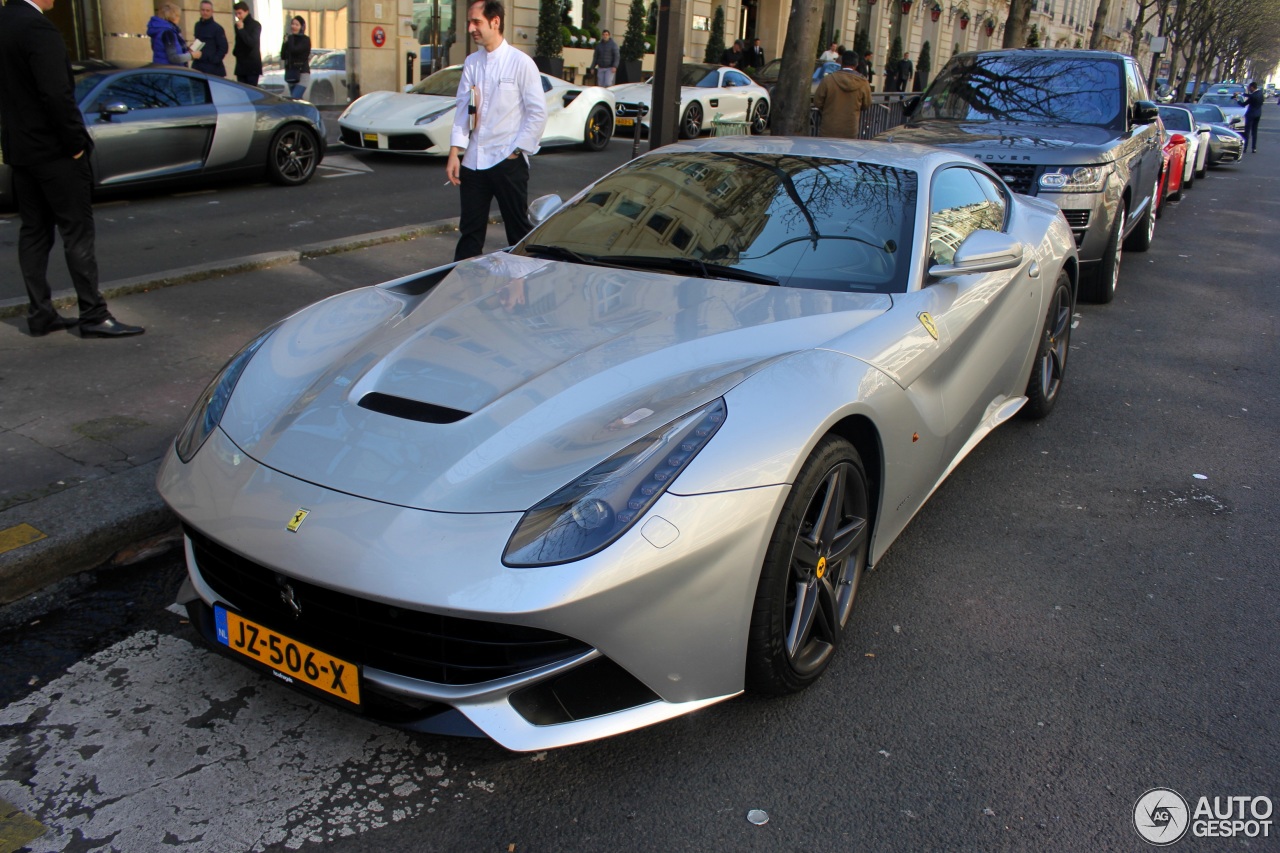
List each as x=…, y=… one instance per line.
x=1074, y=126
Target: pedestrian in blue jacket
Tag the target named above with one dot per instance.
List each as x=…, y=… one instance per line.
x=168, y=47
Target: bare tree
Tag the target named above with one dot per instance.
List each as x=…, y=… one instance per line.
x=791, y=95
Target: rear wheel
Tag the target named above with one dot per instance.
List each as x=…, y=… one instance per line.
x=293, y=155
x=1139, y=239
x=811, y=572
x=691, y=121
x=1051, y=355
x=760, y=117
x=322, y=93
x=599, y=128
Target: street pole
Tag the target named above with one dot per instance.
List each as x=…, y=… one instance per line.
x=666, y=77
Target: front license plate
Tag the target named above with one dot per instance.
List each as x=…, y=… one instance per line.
x=371, y=137
x=286, y=657
x=625, y=122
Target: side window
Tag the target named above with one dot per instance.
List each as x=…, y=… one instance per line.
x=963, y=201
x=149, y=91
x=1139, y=82
x=734, y=78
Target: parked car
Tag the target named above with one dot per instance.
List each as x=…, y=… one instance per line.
x=161, y=124
x=1225, y=145
x=707, y=92
x=1074, y=126
x=327, y=83
x=420, y=120
x=768, y=76
x=1180, y=120
x=634, y=466
x=1231, y=108
x=1176, y=155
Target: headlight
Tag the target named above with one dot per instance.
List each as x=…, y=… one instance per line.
x=1074, y=179
x=207, y=412
x=430, y=117
x=594, y=510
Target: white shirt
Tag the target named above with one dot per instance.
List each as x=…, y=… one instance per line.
x=829, y=56
x=512, y=107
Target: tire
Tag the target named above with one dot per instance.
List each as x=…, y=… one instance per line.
x=293, y=155
x=1050, y=366
x=811, y=572
x=1161, y=199
x=322, y=93
x=1139, y=240
x=691, y=121
x=759, y=117
x=599, y=128
x=1101, y=287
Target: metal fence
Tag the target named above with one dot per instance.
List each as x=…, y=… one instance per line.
x=885, y=112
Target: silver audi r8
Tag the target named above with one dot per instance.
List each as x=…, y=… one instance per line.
x=160, y=124
x=636, y=464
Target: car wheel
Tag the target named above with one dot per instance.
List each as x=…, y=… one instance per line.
x=1144, y=232
x=293, y=155
x=1102, y=286
x=760, y=117
x=599, y=128
x=811, y=572
x=691, y=121
x=322, y=93
x=1051, y=355
x=1160, y=196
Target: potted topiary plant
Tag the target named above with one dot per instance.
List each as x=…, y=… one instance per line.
x=631, y=52
x=715, y=42
x=924, y=64
x=548, y=52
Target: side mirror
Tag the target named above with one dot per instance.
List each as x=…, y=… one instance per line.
x=541, y=208
x=1145, y=112
x=113, y=108
x=910, y=104
x=982, y=251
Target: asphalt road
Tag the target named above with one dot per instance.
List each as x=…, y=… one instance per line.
x=1086, y=610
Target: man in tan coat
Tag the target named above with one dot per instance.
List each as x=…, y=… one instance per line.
x=841, y=97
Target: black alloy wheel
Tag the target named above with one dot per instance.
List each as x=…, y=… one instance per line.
x=759, y=117
x=293, y=155
x=691, y=121
x=599, y=128
x=811, y=571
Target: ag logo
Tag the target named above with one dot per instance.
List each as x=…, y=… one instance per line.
x=1161, y=816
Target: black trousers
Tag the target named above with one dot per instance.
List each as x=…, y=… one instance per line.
x=57, y=195
x=508, y=182
x=1250, y=133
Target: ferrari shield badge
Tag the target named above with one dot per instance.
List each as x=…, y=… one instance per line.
x=926, y=320
x=296, y=521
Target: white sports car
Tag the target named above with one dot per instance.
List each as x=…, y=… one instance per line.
x=707, y=93
x=420, y=120
x=326, y=83
x=1180, y=120
x=636, y=464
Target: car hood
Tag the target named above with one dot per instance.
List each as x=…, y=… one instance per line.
x=1039, y=142
x=450, y=401
x=632, y=93
x=396, y=107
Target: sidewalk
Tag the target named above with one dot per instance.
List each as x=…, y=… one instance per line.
x=85, y=423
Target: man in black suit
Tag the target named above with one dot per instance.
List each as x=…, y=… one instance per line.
x=248, y=49
x=47, y=148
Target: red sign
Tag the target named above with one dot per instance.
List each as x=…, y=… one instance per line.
x=379, y=36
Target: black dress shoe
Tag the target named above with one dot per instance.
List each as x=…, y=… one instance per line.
x=58, y=324
x=109, y=328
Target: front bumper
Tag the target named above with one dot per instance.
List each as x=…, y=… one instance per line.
x=427, y=140
x=651, y=628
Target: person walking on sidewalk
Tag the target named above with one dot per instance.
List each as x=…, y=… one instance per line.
x=501, y=113
x=45, y=143
x=1252, y=103
x=214, y=37
x=248, y=49
x=605, y=59
x=841, y=97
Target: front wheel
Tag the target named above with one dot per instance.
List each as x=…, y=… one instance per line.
x=811, y=572
x=1101, y=287
x=293, y=155
x=691, y=122
x=599, y=128
x=1051, y=354
x=322, y=93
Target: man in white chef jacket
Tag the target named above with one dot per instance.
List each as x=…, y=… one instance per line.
x=498, y=124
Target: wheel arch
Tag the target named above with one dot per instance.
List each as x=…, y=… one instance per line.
x=860, y=431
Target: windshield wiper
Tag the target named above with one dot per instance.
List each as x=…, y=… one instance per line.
x=700, y=268
x=560, y=253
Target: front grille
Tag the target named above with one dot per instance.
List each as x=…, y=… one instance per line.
x=1021, y=178
x=350, y=137
x=407, y=142
x=427, y=646
x=626, y=110
x=1077, y=218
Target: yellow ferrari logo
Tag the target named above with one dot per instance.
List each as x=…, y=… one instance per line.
x=296, y=522
x=926, y=320
x=822, y=567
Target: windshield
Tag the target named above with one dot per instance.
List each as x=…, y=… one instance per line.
x=441, y=83
x=805, y=222
x=1033, y=87
x=330, y=61
x=1175, y=119
x=1207, y=112
x=1219, y=100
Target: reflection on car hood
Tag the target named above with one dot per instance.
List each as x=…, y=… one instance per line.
x=1075, y=142
x=396, y=107
x=484, y=408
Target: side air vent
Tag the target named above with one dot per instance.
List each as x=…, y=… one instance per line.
x=410, y=410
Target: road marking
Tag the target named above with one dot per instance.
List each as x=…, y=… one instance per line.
x=17, y=536
x=155, y=742
x=343, y=165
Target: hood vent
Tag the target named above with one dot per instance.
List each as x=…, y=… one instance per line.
x=410, y=410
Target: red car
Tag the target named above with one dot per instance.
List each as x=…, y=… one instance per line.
x=1175, y=163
